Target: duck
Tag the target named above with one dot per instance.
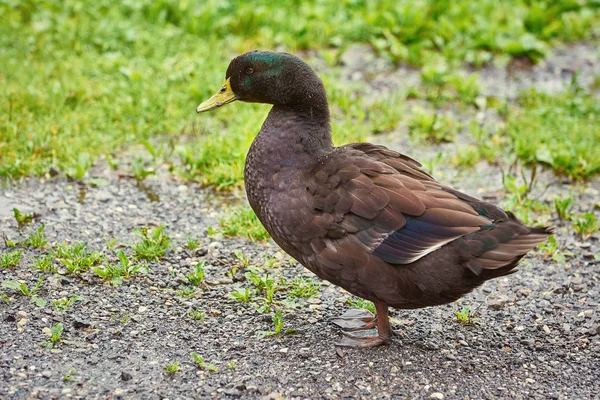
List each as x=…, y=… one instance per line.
x=361, y=216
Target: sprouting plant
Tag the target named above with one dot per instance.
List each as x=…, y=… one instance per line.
x=139, y=170
x=361, y=303
x=241, y=295
x=585, y=225
x=277, y=326
x=172, y=369
x=159, y=153
x=124, y=269
x=550, y=249
x=7, y=242
x=561, y=205
x=63, y=304
x=83, y=164
x=67, y=377
x=187, y=292
x=153, y=244
x=464, y=316
x=26, y=291
x=44, y=264
x=77, y=257
x=269, y=261
x=196, y=315
x=304, y=288
x=199, y=360
x=23, y=218
x=196, y=277
x=517, y=199
x=231, y=364
x=5, y=298
x=243, y=222
x=111, y=243
x=55, y=335
x=191, y=243
x=430, y=164
x=37, y=239
x=242, y=259
x=10, y=259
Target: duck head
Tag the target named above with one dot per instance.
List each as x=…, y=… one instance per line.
x=280, y=79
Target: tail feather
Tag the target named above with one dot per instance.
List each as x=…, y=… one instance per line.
x=501, y=247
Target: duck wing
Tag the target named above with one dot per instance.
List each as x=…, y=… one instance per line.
x=369, y=200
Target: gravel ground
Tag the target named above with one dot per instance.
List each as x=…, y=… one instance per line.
x=537, y=333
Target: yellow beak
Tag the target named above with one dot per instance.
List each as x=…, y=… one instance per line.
x=224, y=96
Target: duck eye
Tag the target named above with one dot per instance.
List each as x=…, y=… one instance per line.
x=249, y=71
x=223, y=89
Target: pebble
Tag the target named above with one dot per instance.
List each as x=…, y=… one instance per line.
x=47, y=373
x=436, y=395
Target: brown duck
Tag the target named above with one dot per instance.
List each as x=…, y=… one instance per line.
x=362, y=216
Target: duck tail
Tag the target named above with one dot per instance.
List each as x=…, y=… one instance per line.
x=497, y=251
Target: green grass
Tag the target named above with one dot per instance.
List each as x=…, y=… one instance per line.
x=10, y=259
x=77, y=257
x=561, y=131
x=84, y=78
x=153, y=243
x=242, y=221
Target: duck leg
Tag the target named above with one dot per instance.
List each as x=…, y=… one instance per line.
x=360, y=332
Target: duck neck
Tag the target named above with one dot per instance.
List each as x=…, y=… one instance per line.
x=294, y=136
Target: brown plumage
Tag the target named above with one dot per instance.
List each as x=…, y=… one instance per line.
x=362, y=216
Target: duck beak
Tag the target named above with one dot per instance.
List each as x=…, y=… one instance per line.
x=224, y=96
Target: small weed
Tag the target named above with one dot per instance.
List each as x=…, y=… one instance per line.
x=551, y=249
x=361, y=303
x=243, y=222
x=265, y=285
x=303, y=288
x=153, y=244
x=55, y=335
x=5, y=298
x=111, y=243
x=124, y=269
x=23, y=219
x=139, y=170
x=585, y=225
x=196, y=277
x=172, y=369
x=277, y=327
x=241, y=295
x=561, y=205
x=67, y=377
x=464, y=316
x=269, y=261
x=231, y=364
x=191, y=243
x=79, y=169
x=466, y=156
x=26, y=291
x=199, y=361
x=76, y=257
x=45, y=264
x=37, y=239
x=430, y=164
x=187, y=292
x=517, y=199
x=242, y=259
x=10, y=259
x=196, y=315
x=63, y=304
x=7, y=242
x=433, y=126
